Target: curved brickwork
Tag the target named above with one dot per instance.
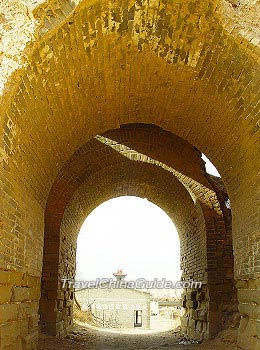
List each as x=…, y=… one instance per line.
x=108, y=172
x=144, y=181
x=79, y=69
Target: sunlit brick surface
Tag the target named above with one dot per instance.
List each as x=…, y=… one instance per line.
x=74, y=70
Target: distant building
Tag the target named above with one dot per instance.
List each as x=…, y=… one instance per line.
x=113, y=307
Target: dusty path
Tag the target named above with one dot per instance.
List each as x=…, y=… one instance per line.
x=85, y=339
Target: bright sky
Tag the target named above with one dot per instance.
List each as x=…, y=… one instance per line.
x=210, y=168
x=132, y=234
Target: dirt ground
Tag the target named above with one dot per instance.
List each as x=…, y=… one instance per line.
x=88, y=339
x=158, y=324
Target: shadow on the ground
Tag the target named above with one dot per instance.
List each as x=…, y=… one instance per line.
x=88, y=339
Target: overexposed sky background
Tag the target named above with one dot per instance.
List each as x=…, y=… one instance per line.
x=132, y=234
x=210, y=168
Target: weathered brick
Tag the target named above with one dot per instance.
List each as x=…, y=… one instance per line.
x=5, y=294
x=21, y=294
x=198, y=78
x=8, y=333
x=8, y=312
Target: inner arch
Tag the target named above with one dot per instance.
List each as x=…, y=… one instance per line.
x=148, y=162
x=131, y=233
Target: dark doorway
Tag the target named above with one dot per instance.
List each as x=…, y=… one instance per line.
x=138, y=318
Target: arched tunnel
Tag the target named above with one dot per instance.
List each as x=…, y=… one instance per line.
x=98, y=172
x=101, y=99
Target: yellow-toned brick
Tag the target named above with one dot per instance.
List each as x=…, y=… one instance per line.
x=8, y=312
x=21, y=294
x=5, y=294
x=70, y=73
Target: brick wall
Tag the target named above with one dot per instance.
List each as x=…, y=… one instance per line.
x=107, y=174
x=189, y=67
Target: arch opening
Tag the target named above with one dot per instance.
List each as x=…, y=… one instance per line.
x=145, y=161
x=82, y=68
x=117, y=227
x=134, y=235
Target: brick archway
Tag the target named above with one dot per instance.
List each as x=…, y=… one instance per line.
x=98, y=172
x=80, y=69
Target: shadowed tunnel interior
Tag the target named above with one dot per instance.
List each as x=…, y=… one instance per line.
x=130, y=161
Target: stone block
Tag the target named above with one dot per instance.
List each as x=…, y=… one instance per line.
x=21, y=294
x=24, y=326
x=5, y=294
x=33, y=321
x=252, y=310
x=17, y=278
x=32, y=281
x=8, y=333
x=8, y=312
x=35, y=293
x=4, y=277
x=30, y=341
x=247, y=336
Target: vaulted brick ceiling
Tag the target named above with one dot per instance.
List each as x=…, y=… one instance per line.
x=73, y=70
x=170, y=63
x=148, y=144
x=186, y=66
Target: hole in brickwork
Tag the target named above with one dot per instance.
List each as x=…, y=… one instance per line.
x=210, y=167
x=228, y=203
